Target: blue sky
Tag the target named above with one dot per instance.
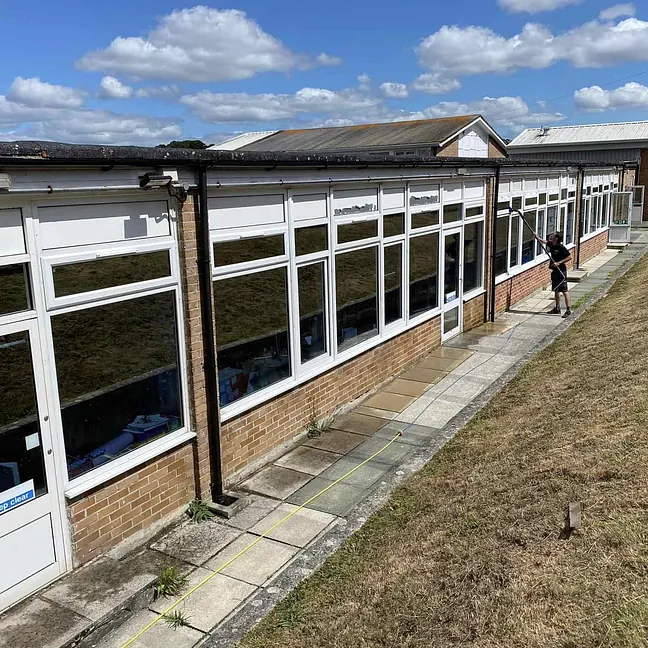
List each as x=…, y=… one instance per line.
x=144, y=72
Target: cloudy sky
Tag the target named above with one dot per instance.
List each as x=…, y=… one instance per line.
x=144, y=72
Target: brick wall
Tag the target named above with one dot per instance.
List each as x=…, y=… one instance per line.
x=593, y=246
x=101, y=519
x=249, y=437
x=451, y=149
x=494, y=150
x=473, y=314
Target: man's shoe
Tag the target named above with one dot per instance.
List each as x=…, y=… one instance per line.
x=555, y=311
x=568, y=312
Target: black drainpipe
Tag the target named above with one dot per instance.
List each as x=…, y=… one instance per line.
x=209, y=340
x=493, y=242
x=579, y=214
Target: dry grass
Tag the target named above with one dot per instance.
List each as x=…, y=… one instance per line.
x=470, y=551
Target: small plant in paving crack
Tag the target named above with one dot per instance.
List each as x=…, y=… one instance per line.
x=177, y=619
x=199, y=512
x=170, y=582
x=317, y=427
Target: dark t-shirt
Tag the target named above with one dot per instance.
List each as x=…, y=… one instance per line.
x=558, y=253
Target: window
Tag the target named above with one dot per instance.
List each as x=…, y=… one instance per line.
x=503, y=205
x=394, y=224
x=552, y=220
x=15, y=291
x=118, y=376
x=248, y=249
x=528, y=240
x=471, y=212
x=533, y=200
x=517, y=203
x=311, y=283
x=501, y=245
x=252, y=339
x=540, y=230
x=86, y=276
x=594, y=214
x=554, y=197
x=584, y=225
x=425, y=219
x=357, y=231
x=604, y=215
x=637, y=196
x=423, y=279
x=309, y=240
x=563, y=194
x=569, y=227
x=473, y=263
x=393, y=268
x=542, y=199
x=356, y=283
x=515, y=239
x=452, y=213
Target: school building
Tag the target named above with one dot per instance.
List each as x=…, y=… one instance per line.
x=170, y=318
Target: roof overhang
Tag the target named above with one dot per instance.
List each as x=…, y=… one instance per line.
x=484, y=124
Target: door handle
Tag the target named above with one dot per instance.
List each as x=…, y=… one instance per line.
x=49, y=452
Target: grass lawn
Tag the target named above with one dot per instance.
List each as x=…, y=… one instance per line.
x=469, y=552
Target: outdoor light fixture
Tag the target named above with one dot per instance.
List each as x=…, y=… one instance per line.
x=154, y=180
x=5, y=182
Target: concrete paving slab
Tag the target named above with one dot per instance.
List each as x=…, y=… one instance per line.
x=388, y=401
x=210, y=604
x=364, y=477
x=274, y=481
x=338, y=500
x=358, y=423
x=467, y=388
x=40, y=623
x=449, y=352
x=159, y=635
x=419, y=374
x=96, y=589
x=298, y=530
x=378, y=413
x=438, y=413
x=256, y=510
x=441, y=364
x=473, y=363
x=413, y=434
x=407, y=387
x=196, y=543
x=336, y=441
x=307, y=460
x=258, y=564
x=393, y=455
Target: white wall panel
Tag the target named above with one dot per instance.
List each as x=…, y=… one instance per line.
x=12, y=238
x=309, y=206
x=394, y=198
x=226, y=212
x=347, y=202
x=474, y=189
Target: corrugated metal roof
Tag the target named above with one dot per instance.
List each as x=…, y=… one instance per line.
x=365, y=136
x=239, y=141
x=586, y=134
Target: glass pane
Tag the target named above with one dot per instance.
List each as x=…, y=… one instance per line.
x=252, y=341
x=517, y=203
x=98, y=274
x=450, y=320
x=473, y=265
x=528, y=240
x=118, y=378
x=637, y=196
x=357, y=231
x=563, y=194
x=552, y=220
x=393, y=224
x=620, y=208
x=424, y=280
x=312, y=310
x=594, y=210
x=501, y=245
x=452, y=213
x=542, y=199
x=471, y=212
x=21, y=450
x=515, y=237
x=531, y=201
x=425, y=219
x=393, y=283
x=540, y=230
x=356, y=281
x=553, y=197
x=311, y=239
x=504, y=205
x=248, y=249
x=569, y=238
x=604, y=213
x=451, y=267
x=15, y=293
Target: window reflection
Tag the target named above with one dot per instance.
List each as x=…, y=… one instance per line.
x=501, y=246
x=393, y=265
x=311, y=239
x=473, y=265
x=15, y=292
x=312, y=311
x=248, y=249
x=424, y=279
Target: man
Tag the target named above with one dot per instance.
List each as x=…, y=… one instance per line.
x=560, y=256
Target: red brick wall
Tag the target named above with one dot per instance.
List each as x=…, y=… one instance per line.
x=494, y=150
x=104, y=517
x=593, y=246
x=451, y=149
x=249, y=437
x=473, y=314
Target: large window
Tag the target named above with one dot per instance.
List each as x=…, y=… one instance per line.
x=473, y=261
x=501, y=245
x=253, y=349
x=515, y=239
x=15, y=292
x=569, y=227
x=311, y=283
x=424, y=276
x=117, y=367
x=356, y=290
x=528, y=240
x=248, y=249
x=552, y=220
x=393, y=268
x=541, y=229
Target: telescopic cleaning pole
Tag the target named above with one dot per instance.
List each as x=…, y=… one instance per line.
x=542, y=245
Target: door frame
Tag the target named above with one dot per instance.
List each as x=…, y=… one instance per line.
x=457, y=302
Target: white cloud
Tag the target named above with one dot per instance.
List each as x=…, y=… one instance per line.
x=199, y=44
x=435, y=83
x=394, y=90
x=535, y=6
x=328, y=60
x=476, y=50
x=364, y=82
x=39, y=94
x=507, y=112
x=159, y=92
x=618, y=11
x=596, y=99
x=242, y=107
x=112, y=88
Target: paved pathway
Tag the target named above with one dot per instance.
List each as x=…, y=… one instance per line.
x=419, y=404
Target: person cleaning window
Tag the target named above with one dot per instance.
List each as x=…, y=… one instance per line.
x=560, y=256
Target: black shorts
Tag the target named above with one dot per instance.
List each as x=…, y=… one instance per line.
x=559, y=280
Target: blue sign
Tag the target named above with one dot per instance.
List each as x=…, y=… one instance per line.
x=17, y=496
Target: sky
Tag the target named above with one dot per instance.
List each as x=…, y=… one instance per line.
x=144, y=73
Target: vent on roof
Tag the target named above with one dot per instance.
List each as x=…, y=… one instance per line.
x=543, y=131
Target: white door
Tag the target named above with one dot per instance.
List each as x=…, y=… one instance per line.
x=452, y=306
x=637, y=204
x=31, y=536
x=621, y=217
